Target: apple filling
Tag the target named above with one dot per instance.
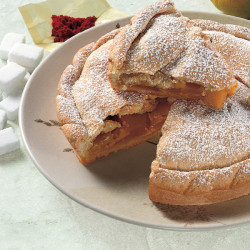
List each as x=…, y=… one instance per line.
x=132, y=130
x=187, y=91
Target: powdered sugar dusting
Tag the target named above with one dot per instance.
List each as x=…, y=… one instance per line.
x=208, y=179
x=139, y=23
x=66, y=108
x=163, y=41
x=67, y=81
x=84, y=103
x=245, y=170
x=197, y=137
x=167, y=39
x=201, y=181
x=68, y=111
x=203, y=65
x=82, y=57
x=235, y=30
x=94, y=97
x=236, y=51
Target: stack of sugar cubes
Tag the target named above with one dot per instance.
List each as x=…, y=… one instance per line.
x=20, y=61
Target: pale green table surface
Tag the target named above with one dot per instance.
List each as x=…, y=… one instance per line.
x=35, y=215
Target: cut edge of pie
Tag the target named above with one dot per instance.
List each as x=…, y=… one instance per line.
x=134, y=119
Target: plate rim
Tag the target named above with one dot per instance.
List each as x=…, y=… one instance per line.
x=75, y=198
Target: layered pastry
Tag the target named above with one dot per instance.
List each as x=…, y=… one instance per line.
x=233, y=43
x=98, y=120
x=165, y=54
x=203, y=156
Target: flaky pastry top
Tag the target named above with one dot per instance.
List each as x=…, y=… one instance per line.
x=85, y=98
x=165, y=42
x=196, y=137
x=233, y=43
x=94, y=97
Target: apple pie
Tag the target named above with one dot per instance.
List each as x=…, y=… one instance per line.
x=163, y=53
x=159, y=75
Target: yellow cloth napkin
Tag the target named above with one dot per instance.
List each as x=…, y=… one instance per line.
x=37, y=17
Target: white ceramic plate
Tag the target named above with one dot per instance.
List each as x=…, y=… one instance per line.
x=116, y=185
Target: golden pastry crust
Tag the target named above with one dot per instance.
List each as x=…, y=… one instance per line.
x=199, y=187
x=203, y=156
x=162, y=50
x=73, y=72
x=235, y=30
x=236, y=52
x=86, y=100
x=233, y=43
x=94, y=97
x=196, y=137
x=138, y=23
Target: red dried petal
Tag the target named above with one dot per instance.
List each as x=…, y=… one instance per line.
x=64, y=27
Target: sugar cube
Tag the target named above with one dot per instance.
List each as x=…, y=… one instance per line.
x=10, y=76
x=8, y=141
x=11, y=106
x=28, y=69
x=27, y=77
x=20, y=86
x=3, y=119
x=7, y=43
x=26, y=55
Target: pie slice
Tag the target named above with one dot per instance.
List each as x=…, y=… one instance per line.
x=203, y=156
x=164, y=54
x=97, y=119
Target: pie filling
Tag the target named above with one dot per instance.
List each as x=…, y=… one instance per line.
x=137, y=128
x=187, y=91
x=134, y=129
